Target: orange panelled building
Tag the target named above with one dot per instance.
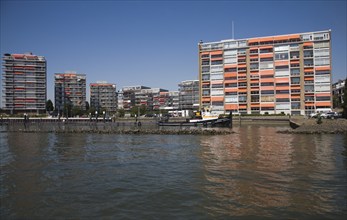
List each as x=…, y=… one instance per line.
x=288, y=74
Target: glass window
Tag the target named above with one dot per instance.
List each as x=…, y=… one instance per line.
x=216, y=62
x=321, y=52
x=217, y=68
x=322, y=61
x=230, y=52
x=217, y=76
x=231, y=44
x=230, y=60
x=281, y=56
x=266, y=65
x=323, y=98
x=282, y=48
x=295, y=80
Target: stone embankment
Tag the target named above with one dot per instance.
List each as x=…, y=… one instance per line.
x=328, y=126
x=131, y=131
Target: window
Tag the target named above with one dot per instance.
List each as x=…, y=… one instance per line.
x=217, y=86
x=205, y=69
x=266, y=65
x=268, y=50
x=267, y=98
x=322, y=79
x=308, y=53
x=323, y=98
x=205, y=77
x=216, y=62
x=321, y=52
x=230, y=53
x=266, y=59
x=282, y=106
x=230, y=85
x=306, y=37
x=231, y=99
x=242, y=84
x=309, y=88
x=267, y=84
x=324, y=44
x=217, y=92
x=267, y=92
x=254, y=98
x=205, y=62
x=308, y=62
x=217, y=76
x=324, y=72
x=205, y=92
x=322, y=88
x=294, y=72
x=282, y=84
x=242, y=43
x=230, y=60
x=282, y=91
x=281, y=56
x=231, y=44
x=282, y=48
x=242, y=98
x=241, y=52
x=217, y=56
x=254, y=66
x=322, y=61
x=295, y=80
x=230, y=69
x=217, y=68
x=282, y=100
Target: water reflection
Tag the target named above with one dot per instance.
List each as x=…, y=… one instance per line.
x=254, y=172
x=260, y=172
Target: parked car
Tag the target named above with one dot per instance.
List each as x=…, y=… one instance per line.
x=313, y=115
x=332, y=115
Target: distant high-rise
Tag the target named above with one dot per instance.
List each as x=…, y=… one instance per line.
x=288, y=74
x=70, y=91
x=189, y=95
x=103, y=96
x=24, y=83
x=141, y=96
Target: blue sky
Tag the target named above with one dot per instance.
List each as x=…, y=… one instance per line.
x=154, y=43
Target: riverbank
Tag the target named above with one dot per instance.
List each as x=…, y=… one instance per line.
x=310, y=126
x=110, y=128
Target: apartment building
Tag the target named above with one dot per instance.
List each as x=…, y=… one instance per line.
x=288, y=74
x=141, y=95
x=103, y=95
x=24, y=82
x=120, y=99
x=169, y=100
x=339, y=92
x=70, y=90
x=189, y=95
x=128, y=95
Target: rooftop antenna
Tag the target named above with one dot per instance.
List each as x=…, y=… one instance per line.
x=232, y=30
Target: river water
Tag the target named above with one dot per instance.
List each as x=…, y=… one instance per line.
x=253, y=173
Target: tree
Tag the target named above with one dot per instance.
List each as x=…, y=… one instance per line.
x=87, y=106
x=76, y=111
x=136, y=110
x=121, y=113
x=67, y=109
x=49, y=105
